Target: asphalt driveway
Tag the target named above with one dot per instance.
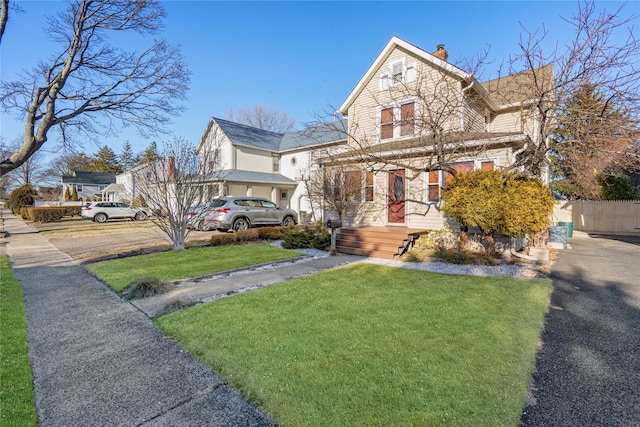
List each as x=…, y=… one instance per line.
x=587, y=372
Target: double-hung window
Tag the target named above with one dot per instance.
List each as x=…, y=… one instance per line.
x=353, y=186
x=436, y=180
x=398, y=121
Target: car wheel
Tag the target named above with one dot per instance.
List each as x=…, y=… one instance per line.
x=140, y=216
x=202, y=226
x=240, y=224
x=288, y=221
x=100, y=217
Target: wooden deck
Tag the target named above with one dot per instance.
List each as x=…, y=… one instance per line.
x=380, y=242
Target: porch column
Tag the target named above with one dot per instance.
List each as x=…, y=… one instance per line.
x=274, y=194
x=249, y=191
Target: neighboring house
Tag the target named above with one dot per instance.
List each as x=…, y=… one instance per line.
x=247, y=161
x=413, y=119
x=87, y=184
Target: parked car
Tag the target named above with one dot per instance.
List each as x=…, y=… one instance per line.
x=103, y=211
x=240, y=213
x=196, y=214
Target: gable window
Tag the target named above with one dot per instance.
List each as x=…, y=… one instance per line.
x=396, y=73
x=398, y=121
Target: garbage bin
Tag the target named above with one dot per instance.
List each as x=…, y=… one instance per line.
x=558, y=235
x=569, y=226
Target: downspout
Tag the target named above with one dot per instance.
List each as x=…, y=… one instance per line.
x=462, y=104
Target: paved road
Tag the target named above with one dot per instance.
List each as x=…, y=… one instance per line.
x=588, y=370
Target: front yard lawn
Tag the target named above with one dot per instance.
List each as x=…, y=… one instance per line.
x=17, y=407
x=375, y=346
x=175, y=265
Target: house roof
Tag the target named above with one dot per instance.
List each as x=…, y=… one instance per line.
x=98, y=178
x=416, y=147
x=315, y=135
x=522, y=86
x=239, y=175
x=249, y=136
x=391, y=45
x=115, y=188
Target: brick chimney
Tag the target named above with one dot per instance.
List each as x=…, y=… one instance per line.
x=441, y=53
x=171, y=168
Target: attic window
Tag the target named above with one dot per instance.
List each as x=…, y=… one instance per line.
x=397, y=73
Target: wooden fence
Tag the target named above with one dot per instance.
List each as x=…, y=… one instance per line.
x=620, y=216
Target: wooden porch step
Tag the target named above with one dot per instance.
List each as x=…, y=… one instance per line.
x=379, y=242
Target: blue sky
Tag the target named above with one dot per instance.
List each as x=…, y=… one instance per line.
x=300, y=57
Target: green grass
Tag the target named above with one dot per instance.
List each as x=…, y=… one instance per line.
x=175, y=265
x=369, y=345
x=17, y=407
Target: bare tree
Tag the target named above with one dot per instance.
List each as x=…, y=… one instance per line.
x=90, y=85
x=170, y=185
x=592, y=57
x=263, y=117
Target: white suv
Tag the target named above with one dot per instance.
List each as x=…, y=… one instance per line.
x=102, y=211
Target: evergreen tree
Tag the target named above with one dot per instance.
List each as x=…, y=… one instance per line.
x=150, y=154
x=74, y=194
x=127, y=158
x=105, y=160
x=594, y=137
x=67, y=195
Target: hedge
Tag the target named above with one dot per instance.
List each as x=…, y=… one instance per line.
x=49, y=213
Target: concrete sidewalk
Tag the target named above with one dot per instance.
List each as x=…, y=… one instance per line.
x=221, y=285
x=97, y=360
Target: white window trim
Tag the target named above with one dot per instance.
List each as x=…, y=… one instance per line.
x=409, y=74
x=397, y=118
x=477, y=164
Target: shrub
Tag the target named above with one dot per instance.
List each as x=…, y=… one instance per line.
x=223, y=239
x=67, y=195
x=316, y=238
x=270, y=233
x=146, y=286
x=249, y=235
x=21, y=197
x=439, y=239
x=74, y=194
x=140, y=202
x=494, y=203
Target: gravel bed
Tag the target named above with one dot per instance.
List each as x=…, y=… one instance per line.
x=438, y=266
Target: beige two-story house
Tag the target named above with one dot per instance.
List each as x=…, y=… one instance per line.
x=414, y=120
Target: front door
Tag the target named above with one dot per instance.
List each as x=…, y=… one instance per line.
x=396, y=197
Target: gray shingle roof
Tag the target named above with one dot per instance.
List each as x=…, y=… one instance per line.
x=315, y=135
x=250, y=136
x=79, y=177
x=277, y=142
x=251, y=176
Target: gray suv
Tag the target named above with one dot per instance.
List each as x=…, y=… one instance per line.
x=240, y=213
